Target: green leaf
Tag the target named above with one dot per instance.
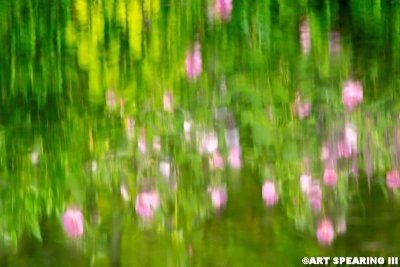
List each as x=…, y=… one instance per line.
x=36, y=230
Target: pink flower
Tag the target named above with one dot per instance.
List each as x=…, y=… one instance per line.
x=209, y=143
x=165, y=169
x=147, y=203
x=343, y=149
x=168, y=101
x=350, y=136
x=73, y=222
x=314, y=195
x=305, y=37
x=269, y=193
x=393, y=179
x=216, y=161
x=325, y=152
x=330, y=177
x=223, y=9
x=304, y=110
x=325, y=232
x=234, y=157
x=219, y=196
x=193, y=62
x=352, y=94
x=305, y=183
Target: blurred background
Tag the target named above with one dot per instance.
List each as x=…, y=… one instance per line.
x=198, y=132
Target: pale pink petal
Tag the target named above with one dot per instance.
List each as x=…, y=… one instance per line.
x=219, y=196
x=234, y=157
x=216, y=161
x=269, y=193
x=73, y=222
x=124, y=193
x=305, y=183
x=146, y=204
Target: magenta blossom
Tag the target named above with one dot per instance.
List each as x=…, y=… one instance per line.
x=73, y=222
x=147, y=203
x=325, y=232
x=330, y=177
x=352, y=94
x=222, y=10
x=193, y=62
x=219, y=196
x=393, y=179
x=269, y=193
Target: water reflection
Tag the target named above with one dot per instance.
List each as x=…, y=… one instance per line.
x=249, y=126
